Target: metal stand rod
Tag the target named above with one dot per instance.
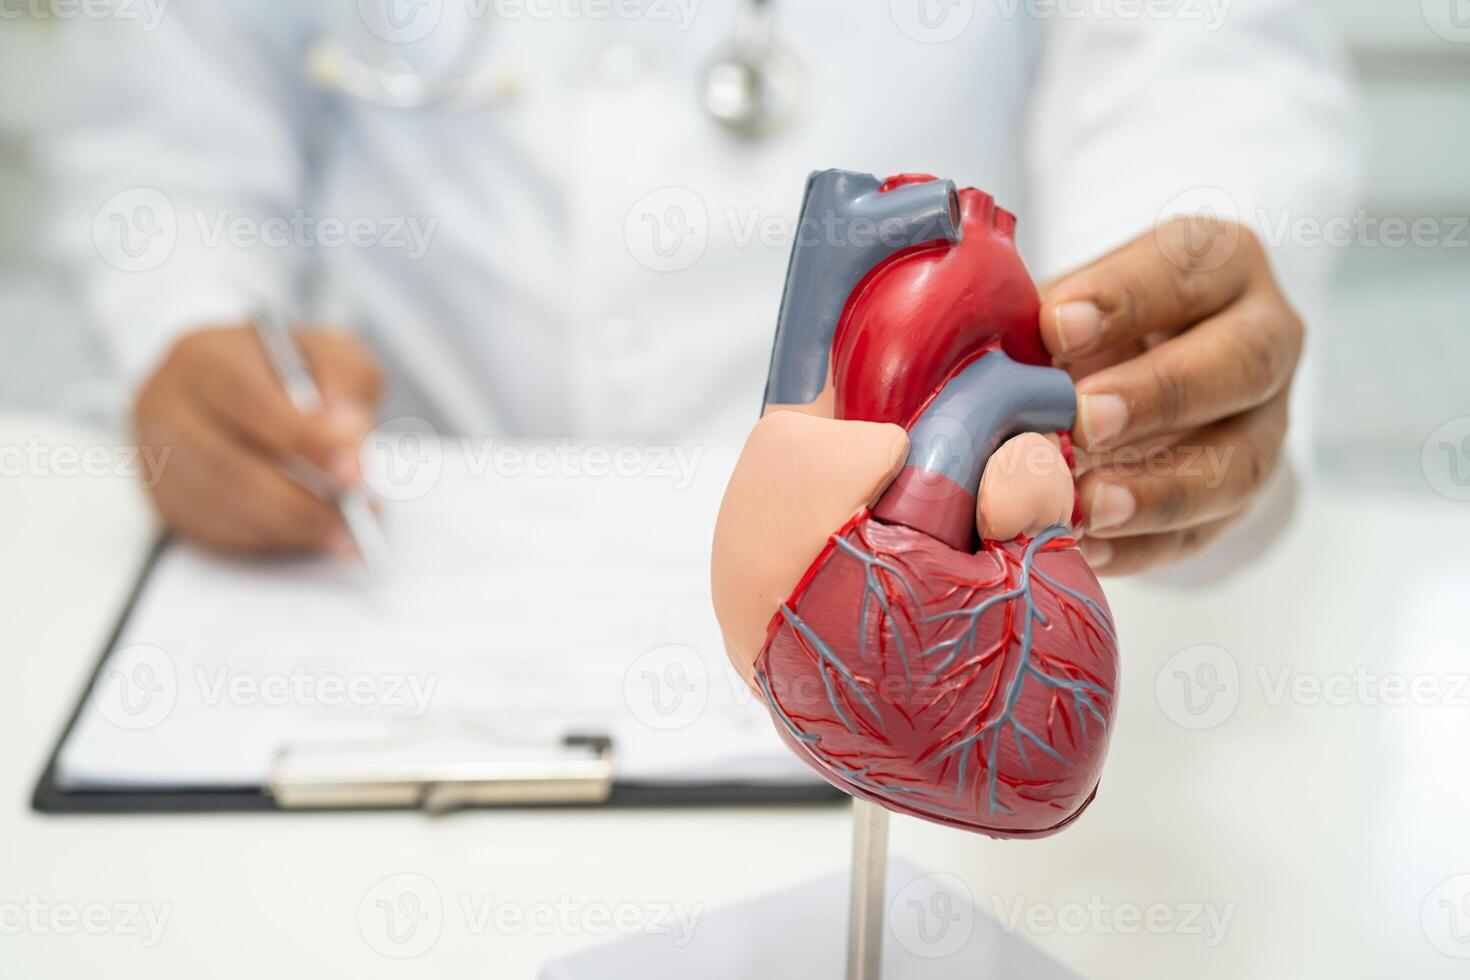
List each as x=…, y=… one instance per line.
x=869, y=875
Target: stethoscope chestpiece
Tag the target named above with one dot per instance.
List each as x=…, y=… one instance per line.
x=753, y=87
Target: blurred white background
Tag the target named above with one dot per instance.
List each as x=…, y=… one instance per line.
x=1398, y=330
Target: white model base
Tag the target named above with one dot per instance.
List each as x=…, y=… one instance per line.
x=933, y=932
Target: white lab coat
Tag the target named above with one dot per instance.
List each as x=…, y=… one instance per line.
x=540, y=304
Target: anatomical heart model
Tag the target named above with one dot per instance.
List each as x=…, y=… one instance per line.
x=893, y=571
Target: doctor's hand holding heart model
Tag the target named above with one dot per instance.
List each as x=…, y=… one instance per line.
x=572, y=218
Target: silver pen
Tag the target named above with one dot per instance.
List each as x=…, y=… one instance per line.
x=279, y=340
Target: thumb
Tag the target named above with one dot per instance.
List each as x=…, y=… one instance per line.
x=351, y=383
x=349, y=377
x=345, y=369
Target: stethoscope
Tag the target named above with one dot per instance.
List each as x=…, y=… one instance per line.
x=752, y=87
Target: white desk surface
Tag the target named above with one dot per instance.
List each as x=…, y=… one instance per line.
x=1328, y=831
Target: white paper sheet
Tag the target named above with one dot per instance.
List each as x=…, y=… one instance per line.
x=535, y=605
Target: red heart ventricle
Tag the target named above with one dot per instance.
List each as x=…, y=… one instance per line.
x=973, y=689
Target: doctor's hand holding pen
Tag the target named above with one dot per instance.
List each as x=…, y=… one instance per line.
x=239, y=446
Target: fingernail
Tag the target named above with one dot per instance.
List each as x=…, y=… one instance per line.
x=1111, y=505
x=1103, y=417
x=1097, y=552
x=1079, y=325
x=344, y=469
x=340, y=547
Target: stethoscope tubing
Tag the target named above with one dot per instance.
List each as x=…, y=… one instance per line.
x=750, y=88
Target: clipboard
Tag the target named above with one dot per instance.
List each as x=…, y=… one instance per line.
x=583, y=778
